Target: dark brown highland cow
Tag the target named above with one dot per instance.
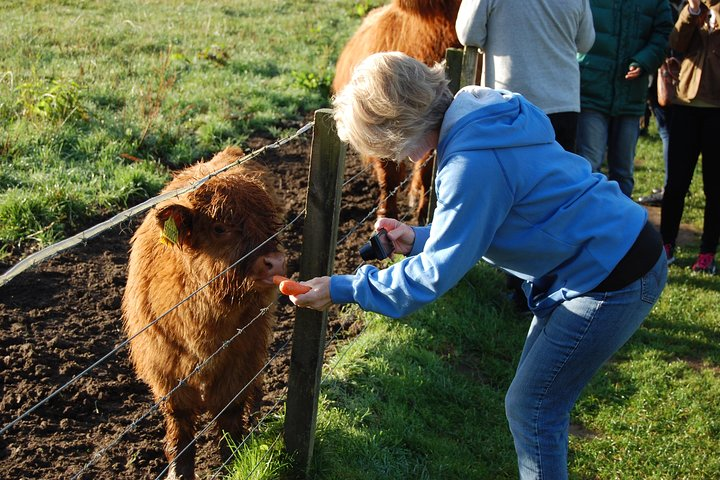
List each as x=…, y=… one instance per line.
x=423, y=29
x=181, y=245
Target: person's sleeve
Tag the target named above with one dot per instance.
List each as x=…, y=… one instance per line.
x=421, y=236
x=466, y=219
x=471, y=23
x=652, y=55
x=585, y=37
x=684, y=29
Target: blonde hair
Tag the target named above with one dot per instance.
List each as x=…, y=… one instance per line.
x=391, y=103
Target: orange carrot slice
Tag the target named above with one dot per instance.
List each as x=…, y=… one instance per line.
x=278, y=279
x=290, y=287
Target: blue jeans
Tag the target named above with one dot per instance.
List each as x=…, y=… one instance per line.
x=562, y=352
x=599, y=133
x=663, y=117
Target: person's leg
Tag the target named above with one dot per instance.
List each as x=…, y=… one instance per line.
x=710, y=148
x=683, y=152
x=592, y=136
x=622, y=142
x=565, y=126
x=516, y=294
x=663, y=117
x=562, y=352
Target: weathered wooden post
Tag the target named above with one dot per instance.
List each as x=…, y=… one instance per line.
x=327, y=166
x=470, y=71
x=454, y=64
x=453, y=67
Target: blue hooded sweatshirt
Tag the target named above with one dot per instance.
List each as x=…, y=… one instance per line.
x=509, y=194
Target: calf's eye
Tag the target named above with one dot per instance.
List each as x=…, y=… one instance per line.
x=219, y=229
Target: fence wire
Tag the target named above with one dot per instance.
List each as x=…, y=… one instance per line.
x=212, y=421
x=128, y=340
x=56, y=248
x=372, y=212
x=53, y=250
x=98, y=455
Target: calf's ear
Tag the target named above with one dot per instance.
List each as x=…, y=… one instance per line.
x=175, y=222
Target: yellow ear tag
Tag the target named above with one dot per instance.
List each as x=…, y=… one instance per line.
x=169, y=235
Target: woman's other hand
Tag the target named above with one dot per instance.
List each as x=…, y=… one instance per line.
x=400, y=234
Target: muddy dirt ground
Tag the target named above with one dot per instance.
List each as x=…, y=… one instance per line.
x=61, y=317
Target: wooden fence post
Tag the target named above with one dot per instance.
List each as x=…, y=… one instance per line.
x=327, y=167
x=453, y=67
x=470, y=72
x=453, y=71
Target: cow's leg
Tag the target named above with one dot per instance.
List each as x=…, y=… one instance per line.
x=253, y=404
x=420, y=186
x=389, y=175
x=231, y=423
x=179, y=433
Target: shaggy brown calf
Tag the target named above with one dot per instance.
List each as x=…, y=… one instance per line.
x=423, y=29
x=179, y=247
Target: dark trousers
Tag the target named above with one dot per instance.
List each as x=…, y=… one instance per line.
x=565, y=126
x=693, y=131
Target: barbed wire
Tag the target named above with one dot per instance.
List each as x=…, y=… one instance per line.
x=35, y=259
x=375, y=209
x=335, y=334
x=128, y=340
x=56, y=248
x=255, y=428
x=210, y=423
x=96, y=456
x=357, y=175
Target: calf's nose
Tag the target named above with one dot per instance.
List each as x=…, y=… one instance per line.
x=275, y=263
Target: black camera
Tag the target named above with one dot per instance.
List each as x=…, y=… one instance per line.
x=377, y=248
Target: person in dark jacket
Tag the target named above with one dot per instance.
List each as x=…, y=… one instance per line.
x=662, y=114
x=695, y=128
x=631, y=37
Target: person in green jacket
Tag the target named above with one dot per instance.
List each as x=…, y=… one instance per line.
x=631, y=37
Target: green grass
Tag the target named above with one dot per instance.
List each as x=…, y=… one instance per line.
x=89, y=87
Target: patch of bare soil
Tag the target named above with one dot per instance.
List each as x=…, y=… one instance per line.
x=63, y=316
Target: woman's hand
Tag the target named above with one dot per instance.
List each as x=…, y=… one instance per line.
x=401, y=235
x=633, y=72
x=316, y=299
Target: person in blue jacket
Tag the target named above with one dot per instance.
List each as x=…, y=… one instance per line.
x=507, y=193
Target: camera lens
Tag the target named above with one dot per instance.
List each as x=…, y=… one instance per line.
x=367, y=252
